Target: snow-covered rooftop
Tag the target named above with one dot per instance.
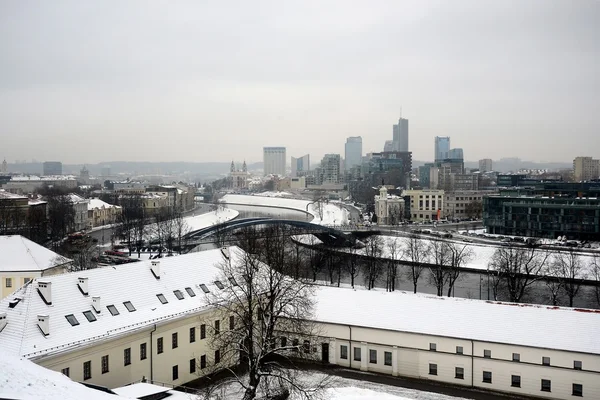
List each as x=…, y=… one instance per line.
x=97, y=203
x=520, y=324
x=20, y=254
x=114, y=285
x=22, y=379
x=10, y=196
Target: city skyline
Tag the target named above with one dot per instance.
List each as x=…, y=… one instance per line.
x=500, y=78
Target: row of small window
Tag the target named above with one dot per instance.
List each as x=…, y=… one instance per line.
x=9, y=283
x=515, y=356
x=89, y=315
x=515, y=380
x=387, y=355
x=191, y=293
x=104, y=364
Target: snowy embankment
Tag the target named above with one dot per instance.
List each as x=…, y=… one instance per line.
x=205, y=220
x=22, y=379
x=323, y=213
x=394, y=247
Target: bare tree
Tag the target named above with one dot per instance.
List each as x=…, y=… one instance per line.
x=595, y=275
x=415, y=251
x=394, y=253
x=519, y=268
x=440, y=256
x=571, y=270
x=373, y=264
x=552, y=280
x=459, y=256
x=181, y=229
x=61, y=214
x=268, y=319
x=352, y=265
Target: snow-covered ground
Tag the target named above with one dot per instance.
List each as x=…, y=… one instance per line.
x=22, y=379
x=205, y=220
x=482, y=253
x=330, y=214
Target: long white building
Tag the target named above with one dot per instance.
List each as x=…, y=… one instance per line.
x=115, y=325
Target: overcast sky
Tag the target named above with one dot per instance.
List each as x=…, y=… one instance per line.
x=90, y=81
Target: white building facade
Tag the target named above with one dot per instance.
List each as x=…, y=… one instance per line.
x=388, y=208
x=274, y=160
x=425, y=204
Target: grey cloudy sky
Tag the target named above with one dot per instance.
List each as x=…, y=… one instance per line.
x=89, y=81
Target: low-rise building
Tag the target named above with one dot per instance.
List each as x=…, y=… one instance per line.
x=114, y=326
x=425, y=204
x=585, y=169
x=23, y=260
x=464, y=204
x=26, y=184
x=80, y=205
x=388, y=208
x=101, y=213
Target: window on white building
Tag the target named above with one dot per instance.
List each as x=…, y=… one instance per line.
x=459, y=373
x=546, y=385
x=357, y=353
x=343, y=352
x=373, y=356
x=487, y=377
x=545, y=360
x=577, y=389
x=459, y=350
x=432, y=347
x=577, y=365
x=387, y=358
x=515, y=381
x=432, y=369
x=516, y=357
x=487, y=353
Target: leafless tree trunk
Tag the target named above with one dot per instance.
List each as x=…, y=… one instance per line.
x=595, y=275
x=553, y=281
x=459, y=256
x=268, y=322
x=181, y=229
x=394, y=254
x=519, y=268
x=373, y=263
x=439, y=257
x=415, y=251
x=352, y=266
x=570, y=268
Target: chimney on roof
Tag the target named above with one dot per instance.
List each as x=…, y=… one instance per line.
x=96, y=303
x=225, y=251
x=155, y=268
x=45, y=291
x=83, y=286
x=43, y=323
x=3, y=321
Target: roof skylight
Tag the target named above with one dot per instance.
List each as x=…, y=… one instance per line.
x=219, y=285
x=162, y=298
x=190, y=291
x=72, y=320
x=113, y=310
x=129, y=306
x=90, y=316
x=178, y=294
x=204, y=288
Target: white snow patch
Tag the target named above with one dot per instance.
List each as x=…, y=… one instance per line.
x=205, y=220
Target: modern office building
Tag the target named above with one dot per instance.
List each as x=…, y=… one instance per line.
x=300, y=164
x=353, y=154
x=585, y=169
x=485, y=165
x=330, y=169
x=274, y=160
x=442, y=147
x=400, y=135
x=456, y=154
x=52, y=168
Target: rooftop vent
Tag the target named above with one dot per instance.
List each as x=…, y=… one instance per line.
x=45, y=291
x=83, y=286
x=155, y=268
x=96, y=304
x=13, y=303
x=43, y=322
x=3, y=321
x=225, y=252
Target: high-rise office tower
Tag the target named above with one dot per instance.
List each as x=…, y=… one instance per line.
x=485, y=165
x=400, y=138
x=442, y=147
x=456, y=154
x=300, y=164
x=330, y=169
x=353, y=155
x=274, y=160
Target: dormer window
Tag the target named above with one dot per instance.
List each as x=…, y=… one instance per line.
x=90, y=316
x=190, y=292
x=219, y=285
x=113, y=310
x=129, y=306
x=204, y=288
x=178, y=294
x=72, y=320
x=162, y=298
